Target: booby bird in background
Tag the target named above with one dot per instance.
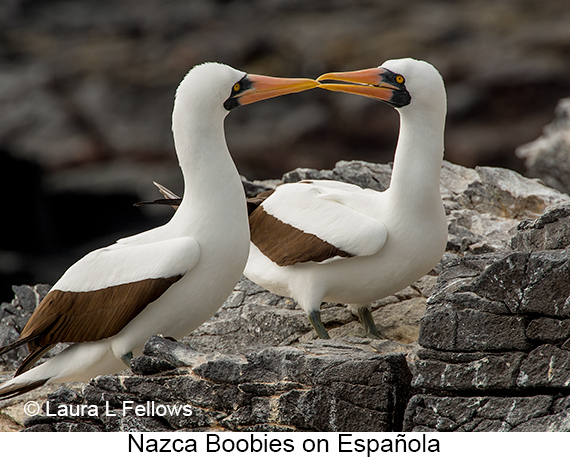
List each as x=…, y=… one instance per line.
x=328, y=241
x=167, y=280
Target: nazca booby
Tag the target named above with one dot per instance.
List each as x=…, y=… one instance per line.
x=327, y=241
x=167, y=280
x=321, y=240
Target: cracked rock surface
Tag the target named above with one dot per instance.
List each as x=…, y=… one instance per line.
x=488, y=414
x=495, y=341
x=323, y=386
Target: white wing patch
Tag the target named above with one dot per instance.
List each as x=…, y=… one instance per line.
x=123, y=263
x=329, y=210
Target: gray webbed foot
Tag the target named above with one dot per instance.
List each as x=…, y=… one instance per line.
x=315, y=320
x=126, y=358
x=367, y=321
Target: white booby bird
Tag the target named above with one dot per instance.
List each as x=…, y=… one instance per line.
x=319, y=240
x=167, y=280
x=328, y=241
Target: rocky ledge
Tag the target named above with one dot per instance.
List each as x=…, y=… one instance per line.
x=321, y=386
x=480, y=343
x=495, y=345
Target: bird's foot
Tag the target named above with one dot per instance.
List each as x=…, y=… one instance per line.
x=126, y=358
x=367, y=321
x=315, y=320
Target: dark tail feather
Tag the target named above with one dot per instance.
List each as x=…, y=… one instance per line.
x=162, y=201
x=16, y=344
x=252, y=203
x=22, y=390
x=32, y=358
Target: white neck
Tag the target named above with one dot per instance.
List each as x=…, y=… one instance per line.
x=212, y=187
x=418, y=158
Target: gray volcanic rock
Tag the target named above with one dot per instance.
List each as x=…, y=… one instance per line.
x=13, y=318
x=497, y=324
x=549, y=231
x=325, y=386
x=484, y=204
x=483, y=414
x=548, y=330
x=484, y=331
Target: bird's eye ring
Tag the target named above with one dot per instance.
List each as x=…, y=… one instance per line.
x=400, y=79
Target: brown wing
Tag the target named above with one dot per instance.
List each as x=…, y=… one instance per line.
x=287, y=245
x=65, y=316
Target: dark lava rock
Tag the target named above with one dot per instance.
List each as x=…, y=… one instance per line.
x=549, y=231
x=325, y=386
x=467, y=414
x=496, y=324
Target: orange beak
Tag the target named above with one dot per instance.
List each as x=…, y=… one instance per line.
x=264, y=87
x=377, y=83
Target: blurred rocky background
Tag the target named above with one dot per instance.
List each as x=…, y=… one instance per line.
x=86, y=92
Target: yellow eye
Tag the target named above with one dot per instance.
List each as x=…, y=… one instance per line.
x=400, y=79
x=237, y=87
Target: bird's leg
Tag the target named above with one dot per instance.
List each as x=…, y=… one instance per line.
x=315, y=320
x=126, y=358
x=367, y=321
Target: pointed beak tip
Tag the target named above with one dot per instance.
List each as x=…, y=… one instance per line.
x=325, y=77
